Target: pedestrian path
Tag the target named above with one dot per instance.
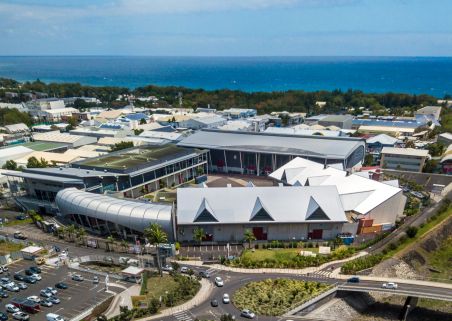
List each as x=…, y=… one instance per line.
x=183, y=316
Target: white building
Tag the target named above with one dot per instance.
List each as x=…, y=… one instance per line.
x=408, y=159
x=361, y=197
x=71, y=140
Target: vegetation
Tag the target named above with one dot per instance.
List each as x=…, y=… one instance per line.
x=274, y=297
x=8, y=247
x=198, y=234
x=412, y=206
x=411, y=231
x=156, y=236
x=361, y=263
x=11, y=165
x=121, y=145
x=13, y=116
x=286, y=258
x=249, y=237
x=33, y=162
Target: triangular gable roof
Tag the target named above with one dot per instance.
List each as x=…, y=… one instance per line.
x=315, y=212
x=260, y=213
x=205, y=213
x=290, y=173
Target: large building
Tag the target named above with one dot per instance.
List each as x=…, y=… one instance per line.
x=107, y=215
x=361, y=197
x=272, y=213
x=129, y=173
x=405, y=159
x=262, y=153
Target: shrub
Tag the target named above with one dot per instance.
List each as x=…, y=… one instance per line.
x=411, y=231
x=361, y=263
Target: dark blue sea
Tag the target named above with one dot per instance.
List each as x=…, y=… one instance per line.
x=414, y=75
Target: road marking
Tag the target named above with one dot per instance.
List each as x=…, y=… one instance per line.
x=59, y=310
x=100, y=290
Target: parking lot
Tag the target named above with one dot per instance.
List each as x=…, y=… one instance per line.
x=79, y=297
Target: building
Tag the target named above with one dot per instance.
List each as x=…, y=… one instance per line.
x=432, y=113
x=106, y=215
x=376, y=143
x=127, y=173
x=56, y=115
x=361, y=197
x=262, y=153
x=272, y=213
x=13, y=153
x=71, y=141
x=16, y=133
x=202, y=122
x=446, y=161
x=45, y=104
x=445, y=138
x=236, y=113
x=341, y=121
x=405, y=159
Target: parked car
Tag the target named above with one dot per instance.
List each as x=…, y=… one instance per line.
x=226, y=298
x=3, y=316
x=21, y=217
x=5, y=280
x=219, y=281
x=22, y=286
x=45, y=294
x=390, y=285
x=204, y=274
x=247, y=314
x=4, y=268
x=30, y=280
x=34, y=298
x=19, y=277
x=21, y=316
x=77, y=277
x=12, y=287
x=11, y=308
x=35, y=269
x=46, y=303
x=54, y=317
x=51, y=290
x=184, y=269
x=214, y=303
x=54, y=300
x=19, y=235
x=96, y=279
x=3, y=294
x=353, y=279
x=37, y=277
x=61, y=285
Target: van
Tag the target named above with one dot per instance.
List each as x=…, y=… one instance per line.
x=54, y=317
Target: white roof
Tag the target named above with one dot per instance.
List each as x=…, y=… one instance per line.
x=61, y=111
x=21, y=127
x=357, y=193
x=173, y=136
x=382, y=139
x=132, y=270
x=15, y=151
x=386, y=129
x=446, y=135
x=303, y=132
x=32, y=249
x=405, y=151
x=56, y=136
x=241, y=205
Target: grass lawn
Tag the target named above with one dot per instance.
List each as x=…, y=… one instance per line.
x=275, y=254
x=8, y=247
x=274, y=297
x=19, y=222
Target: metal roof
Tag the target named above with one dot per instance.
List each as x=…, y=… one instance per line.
x=136, y=215
x=333, y=147
x=239, y=205
x=50, y=178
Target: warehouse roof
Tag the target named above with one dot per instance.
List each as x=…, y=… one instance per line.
x=357, y=193
x=275, y=204
x=56, y=136
x=333, y=147
x=405, y=151
x=382, y=139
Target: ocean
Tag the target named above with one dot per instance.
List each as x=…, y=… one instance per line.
x=414, y=75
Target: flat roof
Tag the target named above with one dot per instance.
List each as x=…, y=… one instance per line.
x=42, y=177
x=405, y=151
x=68, y=172
x=44, y=146
x=132, y=270
x=136, y=158
x=315, y=146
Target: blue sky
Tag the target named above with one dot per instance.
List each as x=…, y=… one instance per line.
x=226, y=27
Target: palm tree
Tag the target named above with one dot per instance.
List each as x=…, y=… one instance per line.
x=81, y=232
x=71, y=229
x=249, y=236
x=198, y=234
x=156, y=236
x=61, y=231
x=108, y=241
x=125, y=245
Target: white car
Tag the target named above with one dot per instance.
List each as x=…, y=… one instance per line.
x=34, y=298
x=51, y=290
x=44, y=293
x=219, y=281
x=167, y=268
x=184, y=269
x=12, y=287
x=36, y=276
x=21, y=316
x=247, y=314
x=3, y=268
x=11, y=308
x=226, y=299
x=389, y=285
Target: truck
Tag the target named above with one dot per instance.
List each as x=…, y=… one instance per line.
x=26, y=305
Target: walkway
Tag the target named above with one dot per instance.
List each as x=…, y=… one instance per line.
x=122, y=299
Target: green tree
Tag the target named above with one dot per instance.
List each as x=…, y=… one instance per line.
x=249, y=236
x=411, y=231
x=11, y=165
x=156, y=236
x=143, y=121
x=33, y=162
x=72, y=123
x=198, y=234
x=81, y=233
x=121, y=145
x=125, y=245
x=110, y=241
x=368, y=160
x=71, y=230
